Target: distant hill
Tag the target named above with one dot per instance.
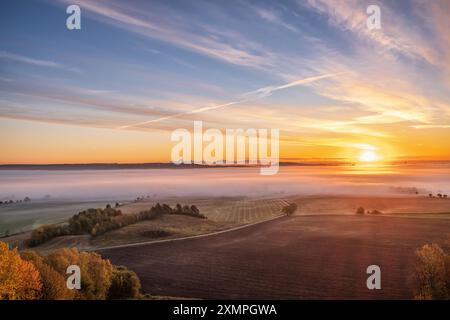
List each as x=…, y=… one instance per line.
x=159, y=165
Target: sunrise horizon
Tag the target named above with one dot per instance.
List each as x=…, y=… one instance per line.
x=224, y=156
x=320, y=78
x=282, y=161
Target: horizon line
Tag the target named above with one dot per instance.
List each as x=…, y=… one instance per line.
x=284, y=160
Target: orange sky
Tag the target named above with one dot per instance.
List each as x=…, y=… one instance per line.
x=115, y=91
x=71, y=144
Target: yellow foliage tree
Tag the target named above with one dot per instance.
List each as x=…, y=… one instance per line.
x=432, y=273
x=96, y=273
x=19, y=279
x=53, y=284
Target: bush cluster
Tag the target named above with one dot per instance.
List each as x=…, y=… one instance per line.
x=47, y=232
x=361, y=210
x=99, y=221
x=289, y=209
x=192, y=211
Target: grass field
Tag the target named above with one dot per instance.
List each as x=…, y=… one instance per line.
x=222, y=209
x=20, y=217
x=172, y=226
x=222, y=213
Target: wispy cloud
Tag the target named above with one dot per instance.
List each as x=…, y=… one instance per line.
x=431, y=126
x=228, y=47
x=372, y=87
x=246, y=97
x=275, y=18
x=172, y=58
x=395, y=34
x=35, y=62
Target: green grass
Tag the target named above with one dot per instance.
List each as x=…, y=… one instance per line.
x=19, y=217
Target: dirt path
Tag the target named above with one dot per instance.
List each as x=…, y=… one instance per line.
x=293, y=258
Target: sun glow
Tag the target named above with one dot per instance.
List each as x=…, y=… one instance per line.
x=368, y=156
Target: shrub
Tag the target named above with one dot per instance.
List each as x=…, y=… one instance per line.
x=289, y=209
x=46, y=232
x=158, y=233
x=432, y=273
x=125, y=284
x=360, y=210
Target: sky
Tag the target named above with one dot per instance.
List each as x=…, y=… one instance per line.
x=115, y=90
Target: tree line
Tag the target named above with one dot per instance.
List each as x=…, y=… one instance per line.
x=29, y=275
x=439, y=195
x=99, y=221
x=361, y=210
x=26, y=199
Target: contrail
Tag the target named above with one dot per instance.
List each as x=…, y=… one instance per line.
x=182, y=113
x=248, y=96
x=267, y=91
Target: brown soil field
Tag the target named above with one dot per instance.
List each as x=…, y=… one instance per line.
x=388, y=205
x=299, y=257
x=227, y=212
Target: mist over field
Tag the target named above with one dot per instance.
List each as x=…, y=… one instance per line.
x=110, y=185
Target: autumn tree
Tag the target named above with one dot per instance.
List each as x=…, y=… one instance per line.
x=33, y=276
x=19, y=279
x=432, y=273
x=53, y=283
x=95, y=272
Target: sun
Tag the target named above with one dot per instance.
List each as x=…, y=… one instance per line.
x=368, y=156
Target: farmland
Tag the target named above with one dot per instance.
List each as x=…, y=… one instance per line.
x=318, y=256
x=223, y=209
x=321, y=252
x=222, y=213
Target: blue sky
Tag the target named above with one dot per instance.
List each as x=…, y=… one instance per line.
x=136, y=64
